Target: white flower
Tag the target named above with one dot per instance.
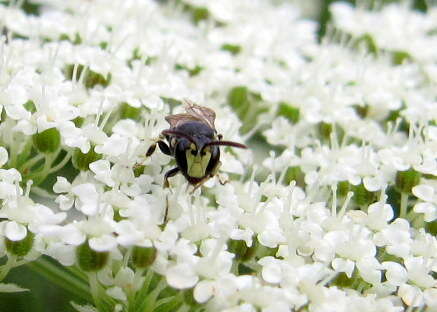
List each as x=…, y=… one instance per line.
x=395, y=273
x=3, y=156
x=428, y=207
x=419, y=272
x=396, y=238
x=181, y=276
x=87, y=198
x=13, y=230
x=411, y=295
x=341, y=265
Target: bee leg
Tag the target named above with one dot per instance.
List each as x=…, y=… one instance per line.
x=200, y=183
x=151, y=150
x=166, y=210
x=169, y=174
x=221, y=180
x=164, y=147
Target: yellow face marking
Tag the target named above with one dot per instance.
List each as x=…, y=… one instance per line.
x=197, y=162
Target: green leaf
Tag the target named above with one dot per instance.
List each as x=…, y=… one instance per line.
x=11, y=288
x=83, y=308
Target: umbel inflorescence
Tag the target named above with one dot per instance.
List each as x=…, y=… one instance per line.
x=333, y=207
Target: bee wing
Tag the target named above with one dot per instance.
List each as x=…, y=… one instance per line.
x=178, y=119
x=201, y=113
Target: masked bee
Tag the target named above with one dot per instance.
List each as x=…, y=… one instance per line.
x=194, y=143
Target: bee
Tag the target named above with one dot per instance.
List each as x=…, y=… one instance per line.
x=194, y=143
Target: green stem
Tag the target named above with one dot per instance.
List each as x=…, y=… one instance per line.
x=404, y=205
x=10, y=263
x=39, y=176
x=61, y=278
x=148, y=304
x=183, y=308
x=42, y=193
x=147, y=280
x=95, y=291
x=13, y=155
x=78, y=273
x=31, y=162
x=61, y=164
x=418, y=220
x=170, y=303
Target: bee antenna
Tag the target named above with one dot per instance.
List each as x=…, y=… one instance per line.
x=178, y=134
x=227, y=143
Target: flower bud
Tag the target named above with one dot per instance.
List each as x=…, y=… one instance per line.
x=30, y=106
x=325, y=130
x=138, y=170
x=90, y=260
x=343, y=187
x=362, y=196
x=406, y=180
x=22, y=247
x=81, y=161
x=238, y=248
x=48, y=141
x=143, y=257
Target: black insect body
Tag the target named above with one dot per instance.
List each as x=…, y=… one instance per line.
x=193, y=141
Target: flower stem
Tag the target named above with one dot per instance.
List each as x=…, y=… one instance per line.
x=95, y=291
x=61, y=164
x=31, y=162
x=10, y=263
x=39, y=176
x=148, y=303
x=184, y=308
x=404, y=205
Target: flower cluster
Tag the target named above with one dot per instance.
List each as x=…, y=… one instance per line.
x=333, y=207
